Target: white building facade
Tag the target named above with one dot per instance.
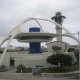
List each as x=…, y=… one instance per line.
x=13, y=59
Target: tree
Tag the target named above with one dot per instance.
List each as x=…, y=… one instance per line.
x=71, y=50
x=60, y=59
x=77, y=55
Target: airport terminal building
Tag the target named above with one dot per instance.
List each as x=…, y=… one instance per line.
x=35, y=54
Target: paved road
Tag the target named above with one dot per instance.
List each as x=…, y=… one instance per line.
x=4, y=79
x=38, y=78
x=16, y=76
x=11, y=75
x=68, y=75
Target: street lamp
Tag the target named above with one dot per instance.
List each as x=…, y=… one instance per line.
x=79, y=51
x=78, y=34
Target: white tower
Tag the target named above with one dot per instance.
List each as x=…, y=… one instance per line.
x=59, y=19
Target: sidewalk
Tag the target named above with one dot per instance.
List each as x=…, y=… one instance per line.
x=61, y=73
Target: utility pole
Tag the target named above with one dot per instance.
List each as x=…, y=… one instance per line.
x=79, y=51
x=78, y=35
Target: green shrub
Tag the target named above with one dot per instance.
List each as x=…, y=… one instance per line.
x=21, y=68
x=71, y=50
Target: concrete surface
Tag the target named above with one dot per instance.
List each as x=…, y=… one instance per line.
x=24, y=76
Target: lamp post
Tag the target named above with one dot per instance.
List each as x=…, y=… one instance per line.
x=78, y=34
x=79, y=51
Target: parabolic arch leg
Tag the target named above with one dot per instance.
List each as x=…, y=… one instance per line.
x=4, y=52
x=3, y=41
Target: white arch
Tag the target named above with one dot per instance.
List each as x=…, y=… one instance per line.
x=17, y=30
x=68, y=33
x=26, y=20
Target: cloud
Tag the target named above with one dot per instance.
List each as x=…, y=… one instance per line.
x=12, y=12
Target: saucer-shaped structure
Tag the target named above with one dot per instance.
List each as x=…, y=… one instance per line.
x=35, y=37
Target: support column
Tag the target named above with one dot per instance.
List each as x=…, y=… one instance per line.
x=35, y=47
x=4, y=52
